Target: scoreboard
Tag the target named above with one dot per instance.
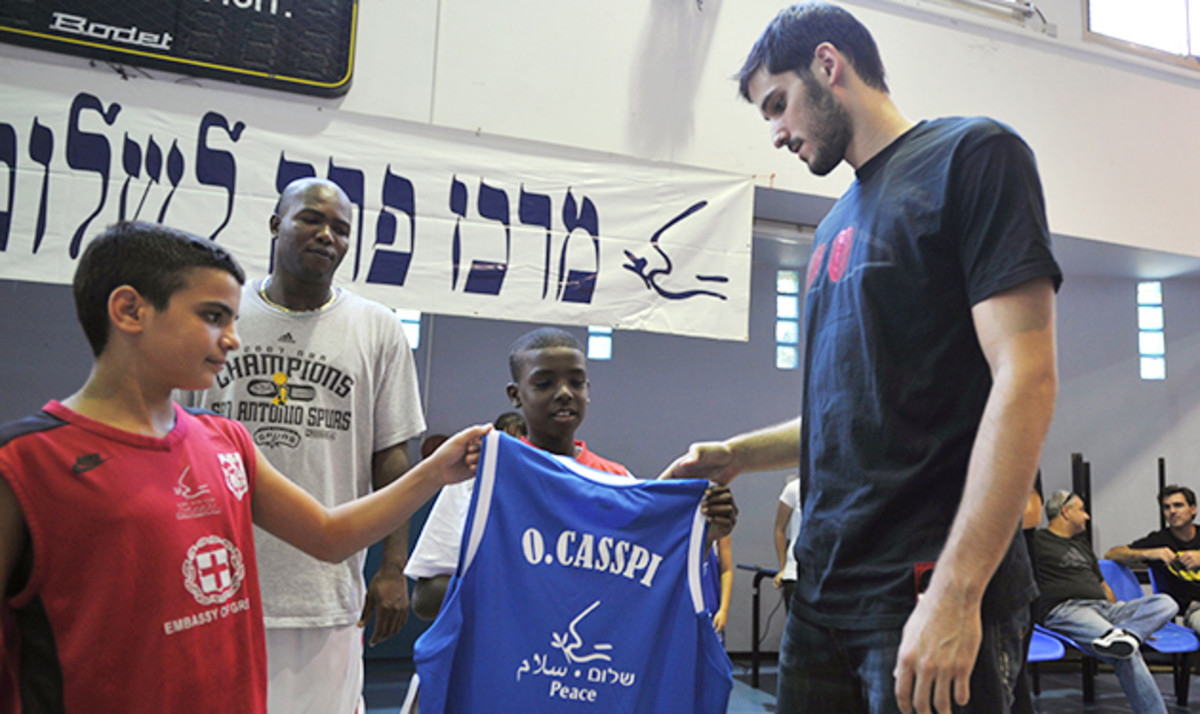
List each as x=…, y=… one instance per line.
x=302, y=46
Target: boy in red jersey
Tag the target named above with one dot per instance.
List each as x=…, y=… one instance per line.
x=126, y=543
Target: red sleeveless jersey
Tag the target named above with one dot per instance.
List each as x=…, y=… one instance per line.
x=143, y=592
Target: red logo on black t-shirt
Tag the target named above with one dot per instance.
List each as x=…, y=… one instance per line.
x=814, y=266
x=839, y=254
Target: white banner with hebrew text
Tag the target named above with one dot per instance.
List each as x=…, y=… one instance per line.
x=445, y=222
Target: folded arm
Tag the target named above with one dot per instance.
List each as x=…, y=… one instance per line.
x=1127, y=555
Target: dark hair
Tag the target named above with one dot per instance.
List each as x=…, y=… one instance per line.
x=1188, y=494
x=539, y=339
x=791, y=40
x=510, y=419
x=151, y=258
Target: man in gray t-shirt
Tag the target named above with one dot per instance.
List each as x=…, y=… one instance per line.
x=1076, y=602
x=326, y=385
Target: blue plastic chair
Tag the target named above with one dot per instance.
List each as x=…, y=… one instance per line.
x=1173, y=639
x=1088, y=665
x=1043, y=648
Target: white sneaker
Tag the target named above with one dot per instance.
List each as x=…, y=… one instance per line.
x=1116, y=643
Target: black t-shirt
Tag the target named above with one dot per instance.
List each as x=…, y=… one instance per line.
x=946, y=216
x=1177, y=581
x=1067, y=569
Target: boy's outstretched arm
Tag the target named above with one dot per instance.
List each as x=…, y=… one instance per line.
x=288, y=512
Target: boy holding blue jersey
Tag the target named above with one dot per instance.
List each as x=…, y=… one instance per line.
x=550, y=388
x=126, y=520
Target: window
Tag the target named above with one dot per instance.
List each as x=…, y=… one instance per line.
x=410, y=320
x=1152, y=339
x=1165, y=29
x=787, y=319
x=600, y=343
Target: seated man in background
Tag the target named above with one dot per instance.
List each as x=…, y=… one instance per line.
x=1173, y=553
x=1076, y=602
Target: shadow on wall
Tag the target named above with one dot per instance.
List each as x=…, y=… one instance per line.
x=671, y=56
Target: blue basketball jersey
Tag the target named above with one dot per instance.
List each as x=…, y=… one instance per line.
x=576, y=591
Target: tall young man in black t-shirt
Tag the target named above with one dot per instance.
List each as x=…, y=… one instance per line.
x=929, y=384
x=1172, y=553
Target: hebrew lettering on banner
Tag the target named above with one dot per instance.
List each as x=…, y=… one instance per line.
x=41, y=149
x=485, y=276
x=578, y=285
x=88, y=151
x=534, y=210
x=218, y=167
x=131, y=160
x=390, y=267
x=8, y=155
x=444, y=222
